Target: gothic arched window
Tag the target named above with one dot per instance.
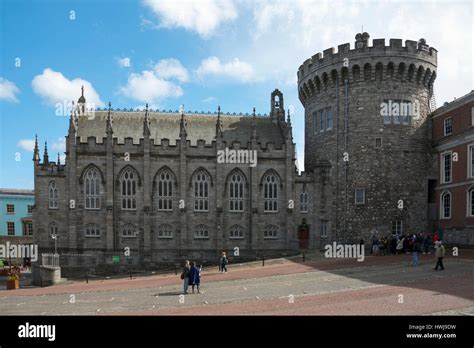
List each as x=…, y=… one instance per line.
x=201, y=232
x=128, y=189
x=236, y=192
x=129, y=231
x=92, y=189
x=270, y=232
x=165, y=231
x=270, y=193
x=304, y=200
x=164, y=192
x=201, y=191
x=53, y=229
x=53, y=195
x=236, y=232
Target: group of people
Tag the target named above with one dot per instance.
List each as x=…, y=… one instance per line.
x=409, y=244
x=191, y=274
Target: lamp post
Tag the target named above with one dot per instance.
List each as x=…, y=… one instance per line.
x=55, y=237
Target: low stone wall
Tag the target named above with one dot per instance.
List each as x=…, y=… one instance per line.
x=45, y=275
x=459, y=237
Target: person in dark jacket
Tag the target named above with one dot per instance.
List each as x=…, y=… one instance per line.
x=415, y=251
x=185, y=276
x=224, y=261
x=195, y=277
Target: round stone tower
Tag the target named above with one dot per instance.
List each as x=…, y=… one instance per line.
x=366, y=119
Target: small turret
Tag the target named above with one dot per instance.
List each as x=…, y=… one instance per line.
x=81, y=102
x=219, y=126
x=109, y=129
x=36, y=156
x=253, y=136
x=146, y=123
x=45, y=156
x=183, y=125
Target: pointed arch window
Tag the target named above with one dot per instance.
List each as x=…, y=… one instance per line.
x=201, y=191
x=270, y=232
x=270, y=194
x=201, y=232
x=164, y=192
x=304, y=200
x=92, y=189
x=53, y=195
x=128, y=189
x=236, y=192
x=53, y=229
x=236, y=232
x=165, y=231
x=129, y=231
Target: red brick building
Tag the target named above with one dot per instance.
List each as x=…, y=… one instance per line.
x=453, y=141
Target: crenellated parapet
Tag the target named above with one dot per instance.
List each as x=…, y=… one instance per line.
x=411, y=62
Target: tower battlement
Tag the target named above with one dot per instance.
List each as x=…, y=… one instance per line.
x=413, y=62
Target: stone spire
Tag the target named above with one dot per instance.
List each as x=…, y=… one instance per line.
x=109, y=129
x=146, y=123
x=289, y=128
x=72, y=121
x=45, y=156
x=81, y=102
x=219, y=123
x=183, y=125
x=59, y=160
x=254, y=126
x=36, y=156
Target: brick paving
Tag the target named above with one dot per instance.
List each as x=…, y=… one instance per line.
x=283, y=287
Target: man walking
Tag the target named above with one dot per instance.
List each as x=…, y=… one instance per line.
x=414, y=252
x=439, y=253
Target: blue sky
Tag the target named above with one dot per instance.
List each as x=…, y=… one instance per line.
x=197, y=53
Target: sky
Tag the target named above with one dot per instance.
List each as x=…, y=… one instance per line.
x=199, y=54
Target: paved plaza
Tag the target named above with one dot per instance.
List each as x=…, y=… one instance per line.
x=382, y=285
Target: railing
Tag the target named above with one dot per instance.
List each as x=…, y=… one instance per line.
x=51, y=260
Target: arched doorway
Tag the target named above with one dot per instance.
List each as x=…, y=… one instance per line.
x=303, y=235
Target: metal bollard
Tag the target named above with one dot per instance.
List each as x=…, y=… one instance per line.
x=175, y=270
x=87, y=279
x=304, y=257
x=130, y=274
x=263, y=260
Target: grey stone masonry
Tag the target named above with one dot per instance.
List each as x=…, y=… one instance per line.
x=388, y=158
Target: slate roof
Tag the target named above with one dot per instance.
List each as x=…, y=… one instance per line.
x=167, y=126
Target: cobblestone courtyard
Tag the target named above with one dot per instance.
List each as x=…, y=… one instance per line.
x=385, y=285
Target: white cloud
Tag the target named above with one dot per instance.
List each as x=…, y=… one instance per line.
x=171, y=69
x=124, y=62
x=27, y=144
x=235, y=69
x=209, y=99
x=59, y=145
x=202, y=16
x=54, y=88
x=147, y=87
x=8, y=90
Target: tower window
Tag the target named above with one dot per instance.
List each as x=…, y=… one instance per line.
x=236, y=193
x=315, y=122
x=359, y=196
x=324, y=228
x=201, y=191
x=304, y=200
x=397, y=227
x=129, y=190
x=328, y=118
x=53, y=195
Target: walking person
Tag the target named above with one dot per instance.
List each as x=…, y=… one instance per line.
x=185, y=276
x=224, y=262
x=415, y=251
x=440, y=252
x=195, y=277
x=400, y=246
